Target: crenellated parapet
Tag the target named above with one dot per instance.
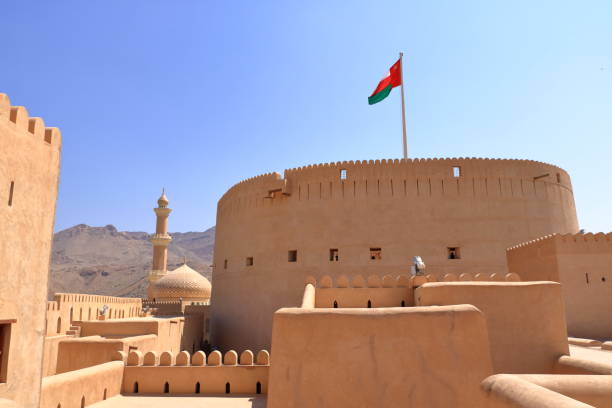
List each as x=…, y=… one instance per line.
x=386, y=291
x=18, y=118
x=182, y=373
x=67, y=308
x=592, y=241
x=424, y=178
x=402, y=281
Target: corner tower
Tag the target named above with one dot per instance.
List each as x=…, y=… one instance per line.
x=160, y=240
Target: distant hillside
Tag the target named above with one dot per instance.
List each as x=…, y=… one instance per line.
x=104, y=261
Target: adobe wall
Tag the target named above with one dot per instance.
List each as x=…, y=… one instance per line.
x=581, y=263
x=30, y=162
x=525, y=320
x=183, y=374
x=67, y=308
x=80, y=388
x=393, y=357
x=406, y=208
x=77, y=353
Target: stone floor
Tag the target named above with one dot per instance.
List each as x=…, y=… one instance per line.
x=243, y=401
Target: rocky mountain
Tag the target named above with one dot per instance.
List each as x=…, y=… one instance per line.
x=105, y=261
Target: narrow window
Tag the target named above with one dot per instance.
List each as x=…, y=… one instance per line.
x=225, y=264
x=59, y=405
x=258, y=388
x=586, y=275
x=5, y=338
x=456, y=171
x=333, y=255
x=369, y=304
x=197, y=389
x=136, y=387
x=403, y=303
x=558, y=178
x=104, y=395
x=83, y=401
x=249, y=261
x=292, y=255
x=375, y=254
x=343, y=174
x=59, y=325
x=11, y=188
x=335, y=304
x=227, y=388
x=166, y=388
x=453, y=253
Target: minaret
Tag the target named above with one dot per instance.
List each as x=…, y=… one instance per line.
x=160, y=241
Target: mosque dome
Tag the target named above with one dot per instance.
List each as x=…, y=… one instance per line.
x=182, y=283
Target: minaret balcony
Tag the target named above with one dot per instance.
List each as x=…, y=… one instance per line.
x=161, y=239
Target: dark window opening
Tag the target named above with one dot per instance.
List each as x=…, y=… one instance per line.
x=375, y=254
x=59, y=325
x=586, y=276
x=558, y=178
x=5, y=339
x=197, y=389
x=369, y=304
x=343, y=174
x=403, y=303
x=603, y=278
x=456, y=171
x=166, y=388
x=335, y=304
x=258, y=388
x=292, y=255
x=83, y=401
x=333, y=255
x=249, y=261
x=453, y=253
x=227, y=388
x=104, y=395
x=225, y=264
x=136, y=387
x=11, y=188
x=59, y=405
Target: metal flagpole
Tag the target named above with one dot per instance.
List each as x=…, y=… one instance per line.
x=401, y=54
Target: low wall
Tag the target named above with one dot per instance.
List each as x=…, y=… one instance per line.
x=82, y=387
x=511, y=391
x=391, y=357
x=67, y=308
x=169, y=373
x=525, y=320
x=78, y=353
x=50, y=353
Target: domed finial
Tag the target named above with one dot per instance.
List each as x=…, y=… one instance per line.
x=163, y=200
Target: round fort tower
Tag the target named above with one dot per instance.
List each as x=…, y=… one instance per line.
x=372, y=217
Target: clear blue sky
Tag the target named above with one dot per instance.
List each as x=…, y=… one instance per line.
x=198, y=95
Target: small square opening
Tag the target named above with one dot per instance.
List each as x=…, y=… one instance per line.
x=343, y=174
x=375, y=254
x=456, y=171
x=249, y=261
x=292, y=255
x=334, y=255
x=454, y=253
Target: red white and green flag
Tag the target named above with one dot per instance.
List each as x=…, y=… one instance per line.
x=392, y=79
